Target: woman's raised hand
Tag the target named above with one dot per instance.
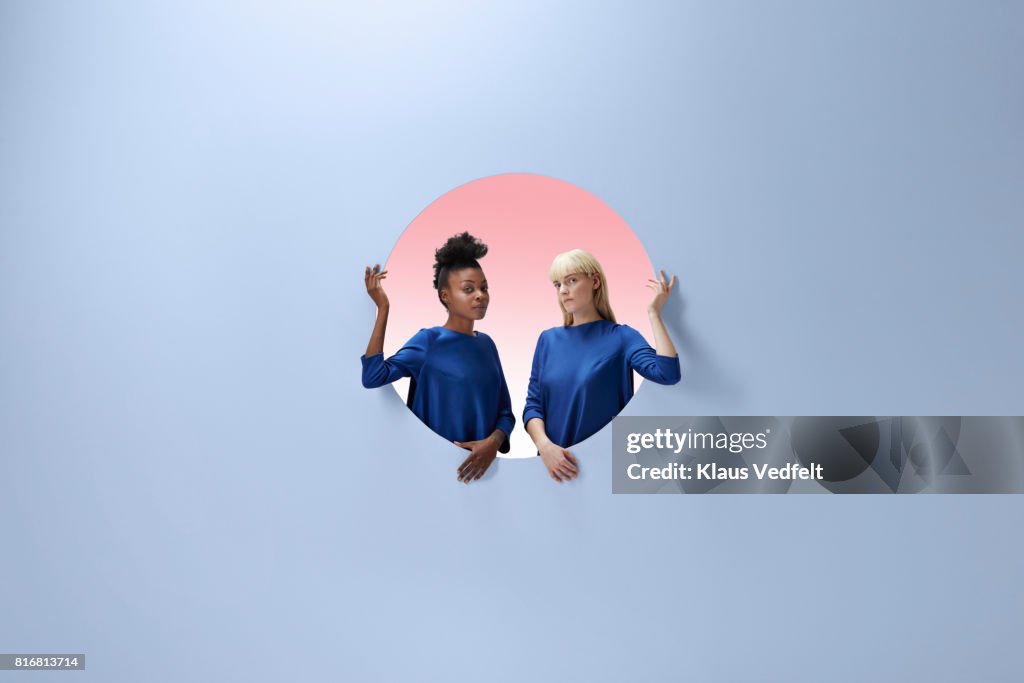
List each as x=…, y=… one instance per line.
x=561, y=464
x=662, y=288
x=374, y=287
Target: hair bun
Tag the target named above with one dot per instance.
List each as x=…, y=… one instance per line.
x=461, y=248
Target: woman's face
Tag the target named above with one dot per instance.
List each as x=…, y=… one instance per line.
x=466, y=294
x=576, y=291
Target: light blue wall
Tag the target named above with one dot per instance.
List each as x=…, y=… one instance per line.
x=194, y=485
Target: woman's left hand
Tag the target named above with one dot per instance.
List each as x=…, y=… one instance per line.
x=662, y=288
x=481, y=455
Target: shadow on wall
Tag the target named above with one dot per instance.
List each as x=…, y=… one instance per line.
x=703, y=376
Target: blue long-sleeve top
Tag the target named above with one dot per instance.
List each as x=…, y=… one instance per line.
x=458, y=388
x=582, y=377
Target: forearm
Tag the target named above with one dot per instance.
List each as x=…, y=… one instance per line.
x=662, y=342
x=376, y=344
x=535, y=428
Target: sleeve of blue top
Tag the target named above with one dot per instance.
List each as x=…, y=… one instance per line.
x=405, y=363
x=646, y=361
x=506, y=419
x=534, y=402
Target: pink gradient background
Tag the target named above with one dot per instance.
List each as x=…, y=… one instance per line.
x=525, y=220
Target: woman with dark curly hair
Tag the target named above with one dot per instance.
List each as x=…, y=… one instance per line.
x=457, y=388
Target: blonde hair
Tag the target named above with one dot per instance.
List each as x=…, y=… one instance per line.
x=579, y=261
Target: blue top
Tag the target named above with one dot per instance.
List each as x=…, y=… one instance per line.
x=583, y=376
x=458, y=388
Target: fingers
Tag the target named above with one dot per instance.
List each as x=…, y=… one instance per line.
x=474, y=471
x=663, y=279
x=481, y=469
x=567, y=468
x=663, y=283
x=566, y=464
x=562, y=474
x=373, y=276
x=467, y=470
x=473, y=467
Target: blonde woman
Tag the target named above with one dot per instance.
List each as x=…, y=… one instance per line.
x=582, y=372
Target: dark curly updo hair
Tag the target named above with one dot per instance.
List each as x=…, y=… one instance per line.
x=460, y=251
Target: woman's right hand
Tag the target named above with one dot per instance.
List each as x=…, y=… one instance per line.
x=374, y=287
x=561, y=464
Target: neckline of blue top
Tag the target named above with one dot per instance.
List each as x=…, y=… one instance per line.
x=475, y=334
x=592, y=322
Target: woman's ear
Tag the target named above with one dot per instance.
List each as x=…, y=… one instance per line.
x=597, y=281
